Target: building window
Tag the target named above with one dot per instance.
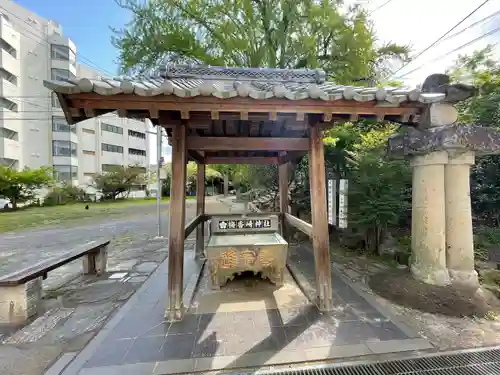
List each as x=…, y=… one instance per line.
x=112, y=148
x=64, y=53
x=136, y=151
x=88, y=131
x=65, y=172
x=55, y=101
x=64, y=148
x=110, y=167
x=111, y=128
x=59, y=124
x=61, y=74
x=133, y=133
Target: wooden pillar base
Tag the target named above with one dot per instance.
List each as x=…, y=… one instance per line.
x=175, y=315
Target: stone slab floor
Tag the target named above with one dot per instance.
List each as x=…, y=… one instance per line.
x=248, y=323
x=76, y=307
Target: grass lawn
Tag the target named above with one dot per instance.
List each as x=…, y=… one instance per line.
x=69, y=214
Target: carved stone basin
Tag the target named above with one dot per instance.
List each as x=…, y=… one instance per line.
x=259, y=248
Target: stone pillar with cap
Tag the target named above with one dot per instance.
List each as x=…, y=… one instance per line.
x=441, y=153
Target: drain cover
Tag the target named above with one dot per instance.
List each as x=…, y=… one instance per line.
x=480, y=362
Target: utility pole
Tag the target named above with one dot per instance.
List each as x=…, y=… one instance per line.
x=159, y=164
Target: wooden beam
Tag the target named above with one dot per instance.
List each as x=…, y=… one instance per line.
x=196, y=156
x=241, y=160
x=320, y=237
x=193, y=224
x=89, y=112
x=154, y=113
x=202, y=103
x=177, y=217
x=283, y=191
x=122, y=112
x=209, y=216
x=299, y=224
x=200, y=210
x=247, y=144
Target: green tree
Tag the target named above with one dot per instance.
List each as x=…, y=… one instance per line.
x=118, y=181
x=483, y=71
x=379, y=189
x=253, y=33
x=20, y=186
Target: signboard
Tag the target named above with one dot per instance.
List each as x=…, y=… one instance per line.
x=245, y=223
x=343, y=186
x=163, y=174
x=332, y=202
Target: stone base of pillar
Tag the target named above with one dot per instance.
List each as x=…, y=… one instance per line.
x=464, y=278
x=431, y=276
x=174, y=315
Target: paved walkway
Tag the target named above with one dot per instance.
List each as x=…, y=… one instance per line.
x=76, y=307
x=248, y=323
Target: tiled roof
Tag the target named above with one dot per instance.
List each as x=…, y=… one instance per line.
x=188, y=81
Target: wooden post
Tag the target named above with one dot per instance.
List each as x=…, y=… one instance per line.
x=226, y=184
x=177, y=219
x=200, y=210
x=319, y=216
x=283, y=191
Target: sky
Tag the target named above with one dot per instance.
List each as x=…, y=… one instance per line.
x=417, y=23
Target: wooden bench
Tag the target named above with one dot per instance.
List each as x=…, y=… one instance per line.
x=21, y=291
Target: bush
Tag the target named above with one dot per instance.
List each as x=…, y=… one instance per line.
x=486, y=239
x=61, y=195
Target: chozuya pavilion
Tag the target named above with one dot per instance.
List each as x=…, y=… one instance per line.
x=274, y=116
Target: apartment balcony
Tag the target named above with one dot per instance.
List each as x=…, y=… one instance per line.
x=113, y=158
x=65, y=136
x=65, y=160
x=10, y=149
x=9, y=90
x=64, y=65
x=9, y=63
x=10, y=120
x=137, y=160
x=8, y=34
x=138, y=143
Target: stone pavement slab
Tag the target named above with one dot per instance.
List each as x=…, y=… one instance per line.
x=247, y=323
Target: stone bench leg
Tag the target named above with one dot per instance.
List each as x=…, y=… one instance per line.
x=95, y=263
x=18, y=303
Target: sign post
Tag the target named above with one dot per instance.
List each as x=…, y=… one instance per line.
x=332, y=202
x=343, y=186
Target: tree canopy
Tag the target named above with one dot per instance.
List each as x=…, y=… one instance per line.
x=254, y=33
x=20, y=186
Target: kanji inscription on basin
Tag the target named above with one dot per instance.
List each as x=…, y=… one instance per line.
x=243, y=243
x=242, y=224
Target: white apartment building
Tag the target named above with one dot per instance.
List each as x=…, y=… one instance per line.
x=33, y=130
